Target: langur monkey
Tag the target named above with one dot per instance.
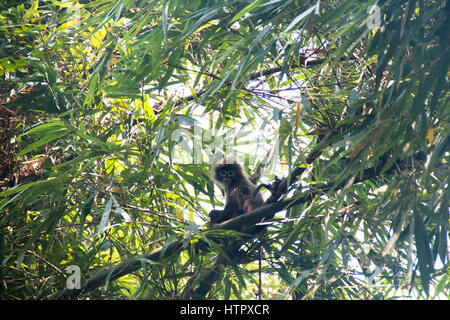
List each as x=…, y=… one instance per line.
x=242, y=196
x=239, y=190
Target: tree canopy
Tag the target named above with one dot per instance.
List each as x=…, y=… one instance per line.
x=112, y=113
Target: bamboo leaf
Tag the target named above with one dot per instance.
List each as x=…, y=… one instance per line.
x=105, y=216
x=247, y=9
x=423, y=252
x=300, y=17
x=48, y=138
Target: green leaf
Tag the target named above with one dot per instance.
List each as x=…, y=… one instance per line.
x=48, y=138
x=51, y=126
x=247, y=9
x=300, y=17
x=164, y=19
x=105, y=216
x=172, y=239
x=423, y=252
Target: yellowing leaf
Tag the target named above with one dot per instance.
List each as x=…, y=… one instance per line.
x=430, y=135
x=297, y=115
x=179, y=215
x=114, y=189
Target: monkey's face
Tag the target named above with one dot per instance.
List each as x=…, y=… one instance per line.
x=226, y=175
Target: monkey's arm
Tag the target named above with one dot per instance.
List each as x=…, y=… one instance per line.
x=216, y=216
x=231, y=209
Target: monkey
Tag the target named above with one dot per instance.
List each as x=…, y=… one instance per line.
x=240, y=195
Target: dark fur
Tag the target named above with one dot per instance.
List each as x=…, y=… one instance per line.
x=239, y=192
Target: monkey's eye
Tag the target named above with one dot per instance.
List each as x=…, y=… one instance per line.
x=223, y=173
x=230, y=173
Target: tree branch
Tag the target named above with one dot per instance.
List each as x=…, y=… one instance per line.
x=126, y=267
x=303, y=62
x=271, y=207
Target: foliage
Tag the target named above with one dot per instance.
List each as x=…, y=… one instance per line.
x=101, y=160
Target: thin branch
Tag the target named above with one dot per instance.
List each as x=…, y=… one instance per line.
x=303, y=63
x=240, y=223
x=103, y=277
